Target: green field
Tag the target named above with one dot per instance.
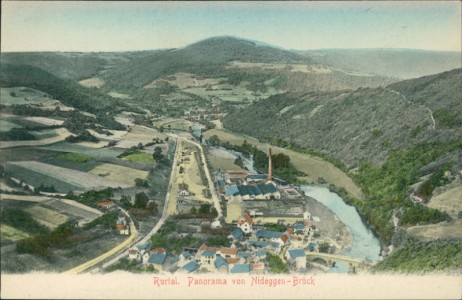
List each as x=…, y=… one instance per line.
x=10, y=233
x=36, y=179
x=6, y=125
x=73, y=157
x=142, y=157
x=20, y=95
x=44, y=134
x=97, y=153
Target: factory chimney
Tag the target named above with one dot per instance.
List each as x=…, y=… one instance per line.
x=270, y=166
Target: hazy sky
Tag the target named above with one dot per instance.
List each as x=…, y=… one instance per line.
x=119, y=26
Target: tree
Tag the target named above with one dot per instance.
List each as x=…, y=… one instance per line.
x=141, y=200
x=157, y=155
x=214, y=140
x=125, y=201
x=153, y=208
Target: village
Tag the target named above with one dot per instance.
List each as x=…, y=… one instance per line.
x=269, y=226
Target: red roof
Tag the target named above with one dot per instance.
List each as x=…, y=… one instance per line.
x=159, y=250
x=259, y=266
x=284, y=238
x=203, y=247
x=247, y=218
x=233, y=260
x=308, y=224
x=290, y=230
x=105, y=203
x=132, y=251
x=120, y=226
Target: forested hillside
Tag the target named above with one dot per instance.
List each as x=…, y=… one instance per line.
x=361, y=124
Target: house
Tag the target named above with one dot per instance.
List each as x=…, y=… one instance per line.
x=105, y=204
x=240, y=269
x=296, y=257
x=236, y=235
x=257, y=268
x=157, y=260
x=245, y=223
x=221, y=265
x=207, y=259
x=312, y=246
x=123, y=229
x=189, y=267
x=137, y=252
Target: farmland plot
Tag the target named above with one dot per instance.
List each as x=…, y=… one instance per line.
x=22, y=95
x=46, y=216
x=96, y=153
x=74, y=209
x=61, y=134
x=120, y=174
x=77, y=178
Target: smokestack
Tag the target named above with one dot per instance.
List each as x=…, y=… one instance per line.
x=270, y=166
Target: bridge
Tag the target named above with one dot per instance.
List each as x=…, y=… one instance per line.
x=329, y=258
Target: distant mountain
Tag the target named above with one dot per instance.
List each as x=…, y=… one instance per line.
x=398, y=63
x=207, y=58
x=361, y=124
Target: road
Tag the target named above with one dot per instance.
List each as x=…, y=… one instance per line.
x=209, y=179
x=162, y=219
x=410, y=102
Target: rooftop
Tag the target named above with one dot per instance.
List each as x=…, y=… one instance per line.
x=240, y=268
x=268, y=234
x=157, y=258
x=191, y=266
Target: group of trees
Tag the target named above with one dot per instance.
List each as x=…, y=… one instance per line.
x=282, y=165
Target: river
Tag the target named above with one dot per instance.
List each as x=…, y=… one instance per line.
x=364, y=244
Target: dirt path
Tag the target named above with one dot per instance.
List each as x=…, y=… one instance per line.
x=410, y=102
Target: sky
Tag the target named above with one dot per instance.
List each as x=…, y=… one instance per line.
x=128, y=26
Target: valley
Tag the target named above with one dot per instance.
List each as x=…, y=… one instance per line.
x=125, y=160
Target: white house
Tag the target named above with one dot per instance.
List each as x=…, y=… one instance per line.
x=244, y=223
x=296, y=257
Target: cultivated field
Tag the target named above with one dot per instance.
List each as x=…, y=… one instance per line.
x=74, y=148
x=139, y=134
x=449, y=201
x=313, y=166
x=46, y=216
x=142, y=157
x=92, y=82
x=221, y=160
x=24, y=198
x=74, y=209
x=22, y=95
x=446, y=230
x=11, y=233
x=184, y=80
x=85, y=180
x=60, y=135
x=118, y=174
x=45, y=121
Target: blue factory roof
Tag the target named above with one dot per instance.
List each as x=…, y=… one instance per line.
x=231, y=190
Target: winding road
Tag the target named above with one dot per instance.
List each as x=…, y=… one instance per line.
x=410, y=102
